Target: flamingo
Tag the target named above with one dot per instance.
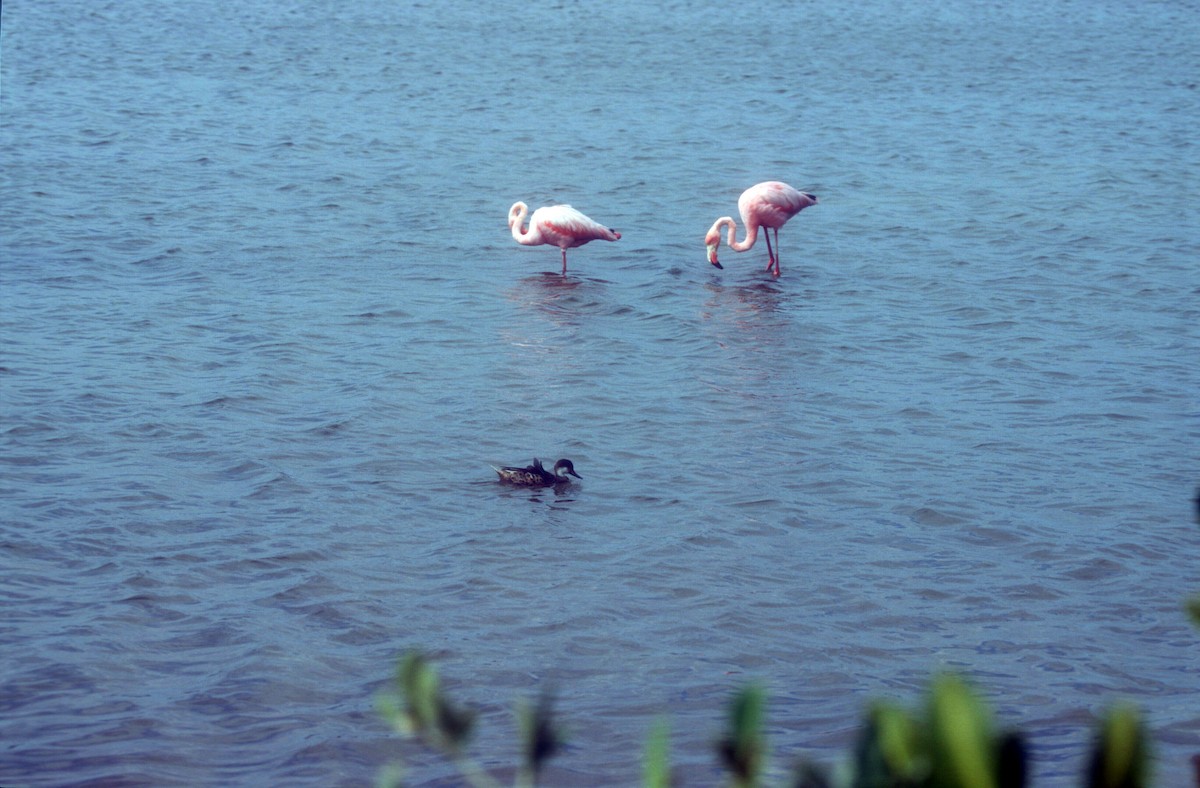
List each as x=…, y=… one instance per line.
x=560, y=225
x=768, y=204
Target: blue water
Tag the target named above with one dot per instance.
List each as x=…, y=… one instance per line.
x=264, y=329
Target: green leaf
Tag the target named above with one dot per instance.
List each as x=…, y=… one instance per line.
x=656, y=764
x=420, y=689
x=743, y=748
x=426, y=712
x=390, y=776
x=1120, y=755
x=961, y=736
x=899, y=743
x=889, y=749
x=1193, y=609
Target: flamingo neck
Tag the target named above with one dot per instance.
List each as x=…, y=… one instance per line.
x=529, y=237
x=731, y=237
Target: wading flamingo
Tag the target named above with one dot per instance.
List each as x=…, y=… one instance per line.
x=558, y=225
x=769, y=204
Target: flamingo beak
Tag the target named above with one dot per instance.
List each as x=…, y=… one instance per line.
x=712, y=256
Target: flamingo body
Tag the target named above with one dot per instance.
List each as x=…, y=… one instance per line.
x=769, y=204
x=557, y=225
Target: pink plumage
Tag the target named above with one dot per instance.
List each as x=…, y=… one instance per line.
x=769, y=204
x=557, y=225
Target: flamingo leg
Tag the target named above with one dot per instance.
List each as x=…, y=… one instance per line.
x=564, y=251
x=776, y=251
x=770, y=253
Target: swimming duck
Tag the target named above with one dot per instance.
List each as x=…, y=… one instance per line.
x=537, y=476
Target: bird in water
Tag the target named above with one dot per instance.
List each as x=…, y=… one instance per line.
x=558, y=225
x=537, y=476
x=769, y=204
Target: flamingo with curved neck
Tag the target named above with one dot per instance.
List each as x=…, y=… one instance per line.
x=558, y=225
x=769, y=204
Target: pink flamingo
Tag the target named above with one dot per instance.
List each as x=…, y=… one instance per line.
x=769, y=204
x=560, y=225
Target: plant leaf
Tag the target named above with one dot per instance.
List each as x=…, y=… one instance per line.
x=1193, y=609
x=743, y=748
x=961, y=736
x=1120, y=754
x=656, y=764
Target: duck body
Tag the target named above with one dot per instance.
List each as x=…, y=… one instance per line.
x=536, y=475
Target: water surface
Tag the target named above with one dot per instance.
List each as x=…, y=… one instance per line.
x=264, y=330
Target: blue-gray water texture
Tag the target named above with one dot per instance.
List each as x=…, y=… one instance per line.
x=265, y=328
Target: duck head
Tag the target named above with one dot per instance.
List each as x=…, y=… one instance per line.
x=565, y=466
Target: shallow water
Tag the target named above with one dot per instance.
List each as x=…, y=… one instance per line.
x=264, y=330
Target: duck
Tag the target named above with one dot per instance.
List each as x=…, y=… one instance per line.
x=537, y=476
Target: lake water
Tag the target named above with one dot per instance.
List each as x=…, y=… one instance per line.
x=264, y=329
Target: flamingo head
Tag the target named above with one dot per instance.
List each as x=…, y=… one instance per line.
x=712, y=241
x=516, y=212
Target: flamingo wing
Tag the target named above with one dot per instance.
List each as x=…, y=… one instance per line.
x=565, y=227
x=793, y=201
x=772, y=203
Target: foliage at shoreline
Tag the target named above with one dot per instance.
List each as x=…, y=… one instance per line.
x=950, y=742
